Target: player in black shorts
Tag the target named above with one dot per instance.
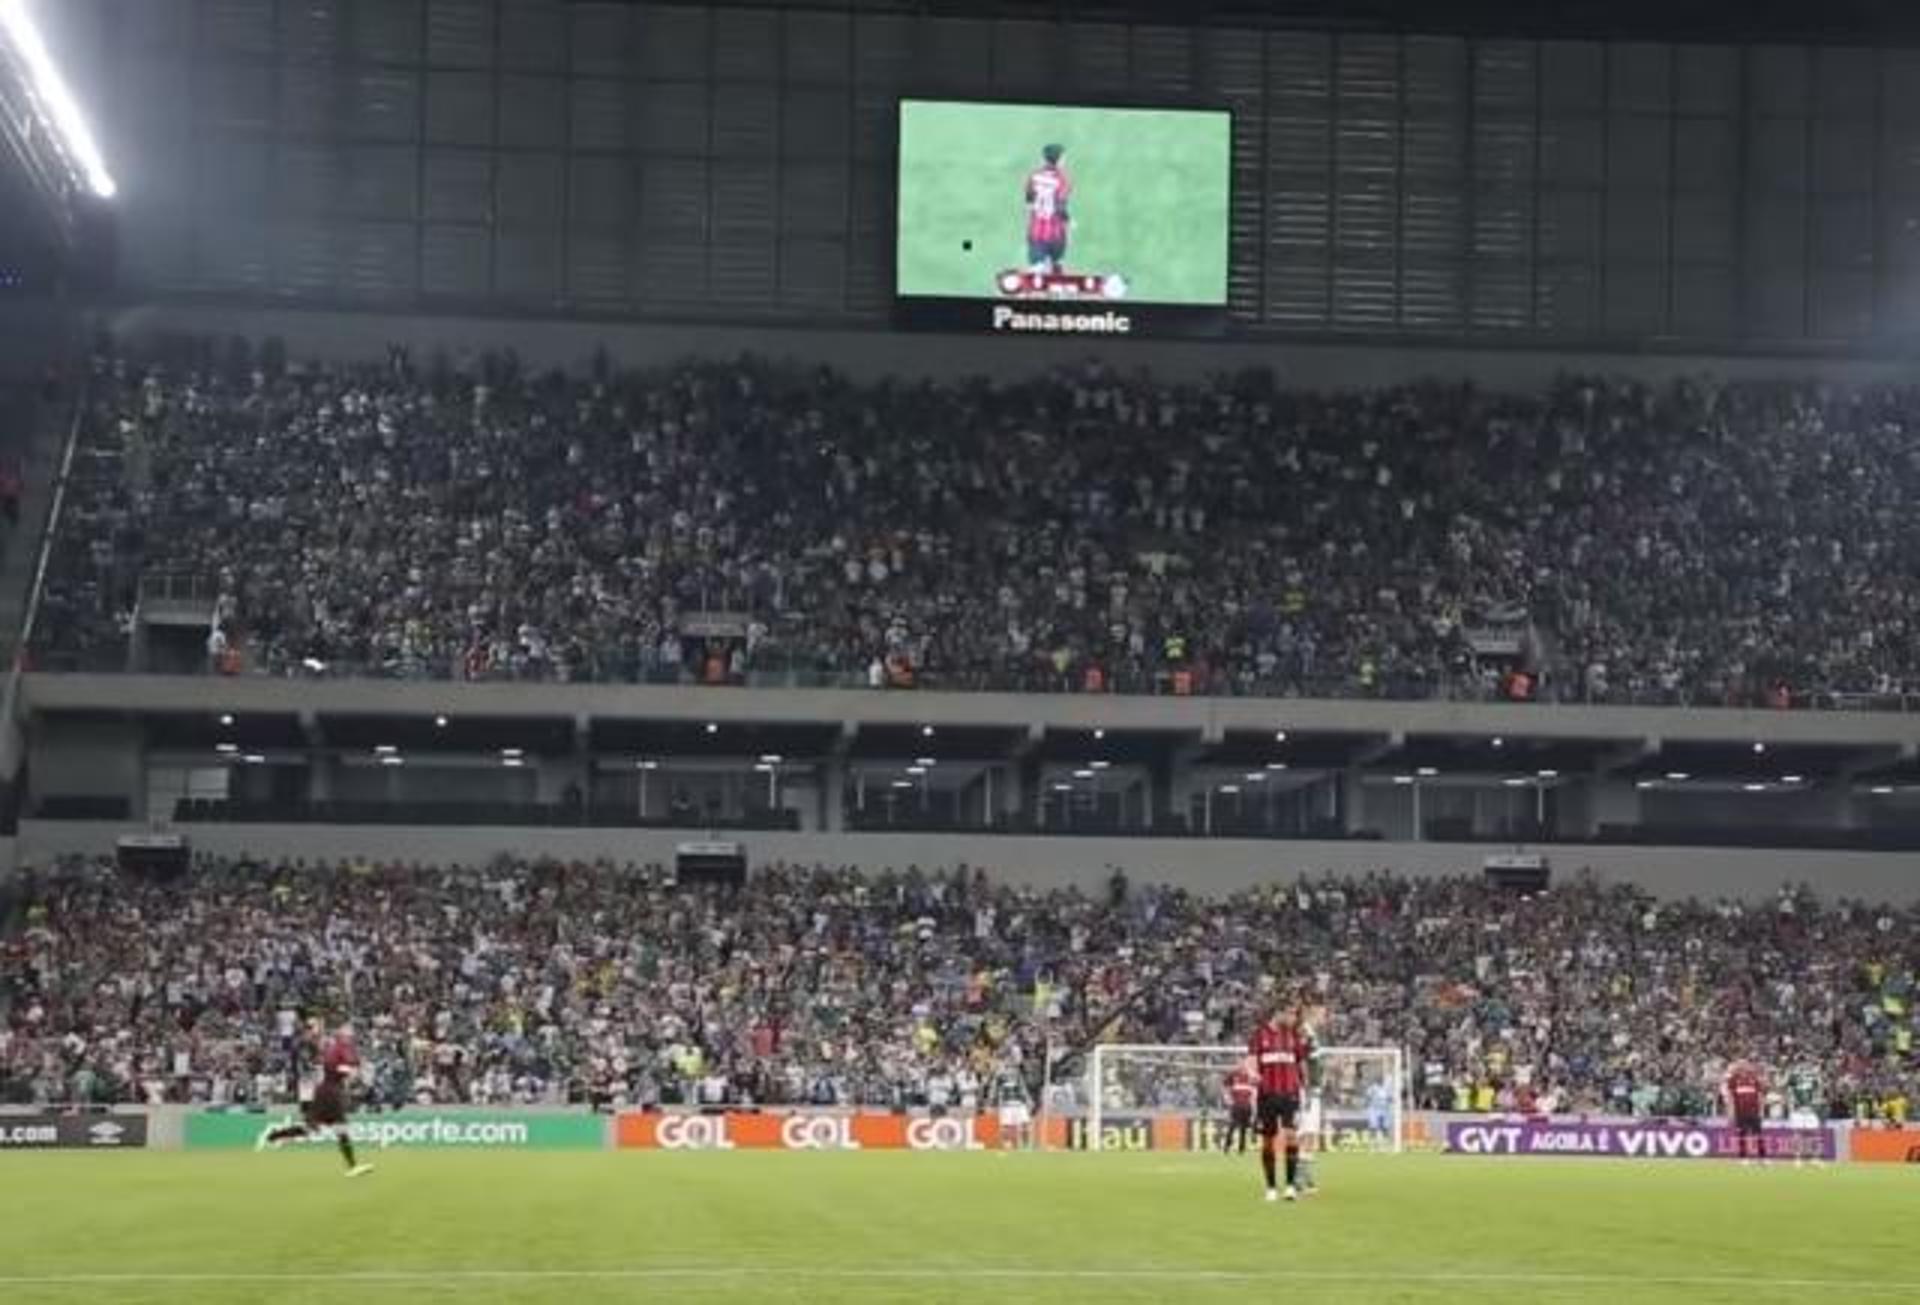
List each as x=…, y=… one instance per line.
x=327, y=1108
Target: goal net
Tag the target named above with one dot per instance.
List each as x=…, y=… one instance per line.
x=1360, y=1093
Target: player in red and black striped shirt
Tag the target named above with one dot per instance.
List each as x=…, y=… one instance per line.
x=1240, y=1092
x=1746, y=1092
x=1280, y=1057
x=326, y=1110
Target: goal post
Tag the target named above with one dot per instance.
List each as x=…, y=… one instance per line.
x=1361, y=1090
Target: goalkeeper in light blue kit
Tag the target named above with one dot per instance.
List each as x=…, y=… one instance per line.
x=1379, y=1108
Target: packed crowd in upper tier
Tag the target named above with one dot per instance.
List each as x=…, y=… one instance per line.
x=1699, y=542
x=547, y=982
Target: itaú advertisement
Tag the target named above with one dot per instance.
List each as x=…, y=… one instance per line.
x=806, y=1131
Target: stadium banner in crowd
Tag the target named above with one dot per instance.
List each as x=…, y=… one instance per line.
x=804, y=1131
x=1885, y=1145
x=71, y=1132
x=1628, y=1140
x=497, y=1129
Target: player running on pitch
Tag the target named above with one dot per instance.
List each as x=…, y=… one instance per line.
x=326, y=1110
x=1280, y=1056
x=1745, y=1091
x=1048, y=190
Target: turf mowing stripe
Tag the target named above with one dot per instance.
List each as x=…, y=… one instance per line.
x=417, y=1277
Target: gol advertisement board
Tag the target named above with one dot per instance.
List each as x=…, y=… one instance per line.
x=1885, y=1145
x=802, y=1131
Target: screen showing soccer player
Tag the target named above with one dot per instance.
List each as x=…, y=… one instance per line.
x=1021, y=202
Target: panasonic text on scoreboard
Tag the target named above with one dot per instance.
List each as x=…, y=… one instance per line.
x=1006, y=317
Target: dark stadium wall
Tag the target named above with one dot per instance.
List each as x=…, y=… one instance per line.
x=1211, y=866
x=347, y=337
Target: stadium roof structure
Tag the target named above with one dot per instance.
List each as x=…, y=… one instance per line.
x=1742, y=21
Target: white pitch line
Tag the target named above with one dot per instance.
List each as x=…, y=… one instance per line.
x=720, y=1273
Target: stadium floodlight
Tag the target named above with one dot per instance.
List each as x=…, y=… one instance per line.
x=1548, y=774
x=226, y=719
x=226, y=747
x=1516, y=781
x=1083, y=774
x=1099, y=734
x=1426, y=772
x=1279, y=736
x=1678, y=776
x=1793, y=779
x=51, y=90
x=1499, y=742
x=773, y=759
x=1754, y=788
x=1276, y=765
x=439, y=722
x=1882, y=790
x=925, y=761
x=1759, y=747
x=1100, y=765
x=255, y=759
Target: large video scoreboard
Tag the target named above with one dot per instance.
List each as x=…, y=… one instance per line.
x=1053, y=219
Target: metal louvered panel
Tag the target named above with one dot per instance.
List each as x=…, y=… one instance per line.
x=1366, y=212
x=1432, y=295
x=1300, y=67
x=1564, y=299
x=746, y=45
x=740, y=271
x=309, y=100
x=1637, y=223
x=672, y=117
x=533, y=35
x=236, y=173
x=1097, y=56
x=237, y=26
x=152, y=26
x=673, y=42
x=1232, y=65
x=813, y=123
x=533, y=112
x=1704, y=154
x=1842, y=158
x=953, y=51
x=1840, y=305
x=1569, y=225
x=1365, y=293
x=674, y=196
x=158, y=252
x=382, y=182
x=1570, y=151
x=1777, y=77
x=1777, y=155
x=1705, y=302
x=383, y=103
x=603, y=197
x=388, y=31
x=599, y=270
x=1367, y=77
x=529, y=190
x=1299, y=211
x=306, y=30
x=1843, y=232
x=454, y=262
x=236, y=95
x=1296, y=294
x=1434, y=142
x=813, y=274
x=302, y=258
x=743, y=199
x=377, y=260
x=1639, y=78
x=599, y=34
x=307, y=178
x=1163, y=60
x=819, y=49
x=1703, y=230
x=1572, y=77
x=459, y=186
x=1636, y=299
x=1844, y=84
x=1706, y=80
x=526, y=265
x=669, y=272
x=460, y=108
x=1502, y=295
x=460, y=33
x=599, y=114
x=1639, y=150
x=745, y=119
x=1433, y=219
x=813, y=199
x=1436, y=72
x=1027, y=55
x=1504, y=77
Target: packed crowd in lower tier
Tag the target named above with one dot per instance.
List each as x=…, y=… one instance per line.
x=548, y=982
x=1084, y=530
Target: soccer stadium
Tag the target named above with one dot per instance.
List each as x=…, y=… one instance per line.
x=955, y=650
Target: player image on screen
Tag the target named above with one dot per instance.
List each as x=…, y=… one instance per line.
x=1048, y=190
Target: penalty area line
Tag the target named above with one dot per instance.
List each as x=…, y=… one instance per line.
x=976, y=1273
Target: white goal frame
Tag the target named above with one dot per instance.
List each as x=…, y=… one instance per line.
x=1222, y=1057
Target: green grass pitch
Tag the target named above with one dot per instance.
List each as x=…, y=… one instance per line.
x=901, y=1227
x=1149, y=197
